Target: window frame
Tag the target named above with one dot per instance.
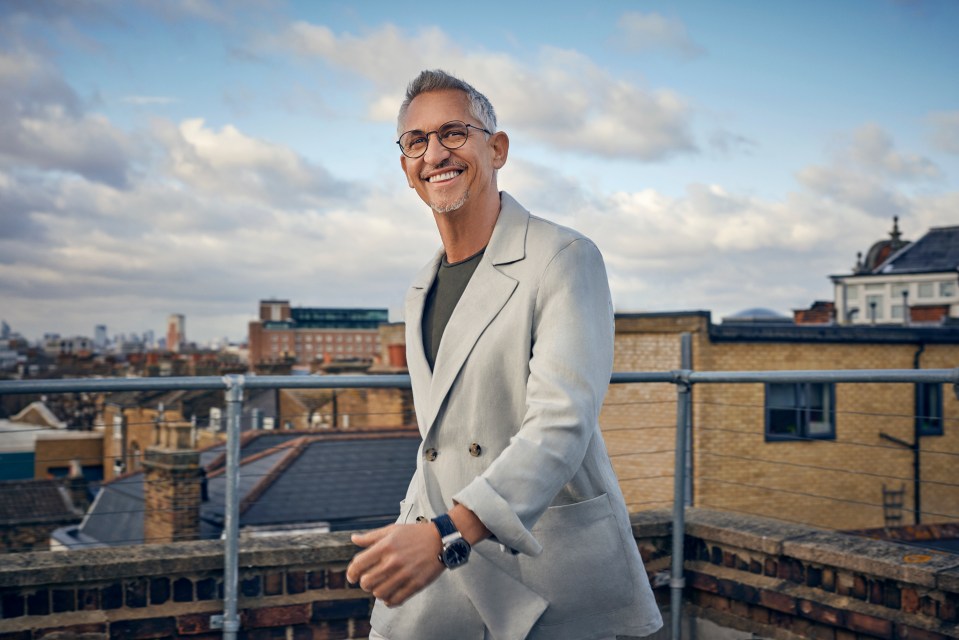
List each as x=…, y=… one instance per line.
x=804, y=409
x=923, y=412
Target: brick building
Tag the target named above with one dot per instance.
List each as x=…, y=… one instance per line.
x=820, y=454
x=308, y=335
x=353, y=409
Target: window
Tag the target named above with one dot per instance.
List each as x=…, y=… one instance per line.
x=947, y=289
x=926, y=290
x=800, y=411
x=929, y=409
x=874, y=307
x=899, y=289
x=852, y=292
x=896, y=312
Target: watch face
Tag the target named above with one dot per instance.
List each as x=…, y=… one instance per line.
x=456, y=553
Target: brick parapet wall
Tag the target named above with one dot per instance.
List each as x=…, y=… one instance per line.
x=294, y=586
x=788, y=581
x=778, y=580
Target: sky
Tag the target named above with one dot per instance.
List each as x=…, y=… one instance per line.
x=194, y=157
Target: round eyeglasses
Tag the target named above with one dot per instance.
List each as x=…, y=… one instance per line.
x=451, y=135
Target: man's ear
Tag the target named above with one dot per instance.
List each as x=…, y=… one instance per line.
x=499, y=142
x=403, y=164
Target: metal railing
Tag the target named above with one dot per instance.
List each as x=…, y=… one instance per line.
x=684, y=380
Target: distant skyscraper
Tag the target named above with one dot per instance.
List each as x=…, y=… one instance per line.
x=100, y=336
x=149, y=339
x=175, y=332
x=4, y=330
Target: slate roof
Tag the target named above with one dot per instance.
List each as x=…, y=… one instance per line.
x=35, y=501
x=936, y=251
x=345, y=480
x=116, y=515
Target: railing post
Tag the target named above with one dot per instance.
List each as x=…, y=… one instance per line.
x=231, y=532
x=677, y=580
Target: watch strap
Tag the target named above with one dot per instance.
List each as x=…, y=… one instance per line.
x=444, y=524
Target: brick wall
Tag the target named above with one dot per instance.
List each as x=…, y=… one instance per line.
x=56, y=449
x=27, y=535
x=762, y=576
x=290, y=587
x=832, y=483
x=356, y=409
x=781, y=580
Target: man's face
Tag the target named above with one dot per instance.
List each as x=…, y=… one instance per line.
x=447, y=179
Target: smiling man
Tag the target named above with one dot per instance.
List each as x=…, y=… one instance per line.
x=513, y=525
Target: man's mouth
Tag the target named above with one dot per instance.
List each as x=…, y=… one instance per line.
x=440, y=177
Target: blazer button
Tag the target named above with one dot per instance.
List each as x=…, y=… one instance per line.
x=430, y=454
x=475, y=450
x=421, y=518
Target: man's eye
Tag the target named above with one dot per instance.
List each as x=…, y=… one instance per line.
x=454, y=134
x=415, y=141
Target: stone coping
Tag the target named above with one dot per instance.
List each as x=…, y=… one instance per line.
x=93, y=565
x=891, y=560
x=880, y=558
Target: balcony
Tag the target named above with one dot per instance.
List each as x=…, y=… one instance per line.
x=846, y=571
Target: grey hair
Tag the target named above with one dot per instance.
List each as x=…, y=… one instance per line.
x=438, y=80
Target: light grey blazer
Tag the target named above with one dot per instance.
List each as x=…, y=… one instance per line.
x=522, y=369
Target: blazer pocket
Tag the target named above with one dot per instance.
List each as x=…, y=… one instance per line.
x=584, y=569
x=406, y=510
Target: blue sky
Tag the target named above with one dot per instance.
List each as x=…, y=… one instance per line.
x=191, y=156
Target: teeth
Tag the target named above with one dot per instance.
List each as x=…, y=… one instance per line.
x=444, y=176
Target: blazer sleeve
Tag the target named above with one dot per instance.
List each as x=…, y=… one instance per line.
x=570, y=367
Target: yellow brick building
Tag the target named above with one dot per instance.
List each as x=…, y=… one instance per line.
x=745, y=456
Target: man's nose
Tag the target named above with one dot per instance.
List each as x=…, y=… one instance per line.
x=435, y=152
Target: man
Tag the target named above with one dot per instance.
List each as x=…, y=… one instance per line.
x=513, y=525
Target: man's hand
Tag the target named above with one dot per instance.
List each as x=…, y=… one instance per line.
x=398, y=562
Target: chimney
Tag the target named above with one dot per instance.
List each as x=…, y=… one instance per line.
x=172, y=489
x=78, y=487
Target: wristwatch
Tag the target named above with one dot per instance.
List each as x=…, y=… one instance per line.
x=456, y=550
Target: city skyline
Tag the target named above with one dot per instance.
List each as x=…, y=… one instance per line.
x=194, y=157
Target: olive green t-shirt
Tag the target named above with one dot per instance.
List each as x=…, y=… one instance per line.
x=450, y=282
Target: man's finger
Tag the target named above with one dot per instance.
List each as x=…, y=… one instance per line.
x=367, y=538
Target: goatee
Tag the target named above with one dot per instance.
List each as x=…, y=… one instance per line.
x=450, y=207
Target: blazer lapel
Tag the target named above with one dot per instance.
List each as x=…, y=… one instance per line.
x=416, y=362
x=487, y=292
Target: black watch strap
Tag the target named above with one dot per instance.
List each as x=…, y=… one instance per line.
x=445, y=525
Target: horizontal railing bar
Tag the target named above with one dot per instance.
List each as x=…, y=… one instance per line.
x=846, y=375
x=327, y=382
x=403, y=381
x=69, y=385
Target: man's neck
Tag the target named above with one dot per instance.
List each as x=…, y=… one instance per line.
x=467, y=230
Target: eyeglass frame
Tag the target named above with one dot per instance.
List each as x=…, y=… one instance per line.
x=427, y=134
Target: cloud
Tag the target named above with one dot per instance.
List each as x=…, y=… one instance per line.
x=559, y=97
x=943, y=129
x=235, y=166
x=872, y=149
x=853, y=188
x=714, y=249
x=645, y=32
x=866, y=171
x=43, y=125
x=726, y=143
x=148, y=100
